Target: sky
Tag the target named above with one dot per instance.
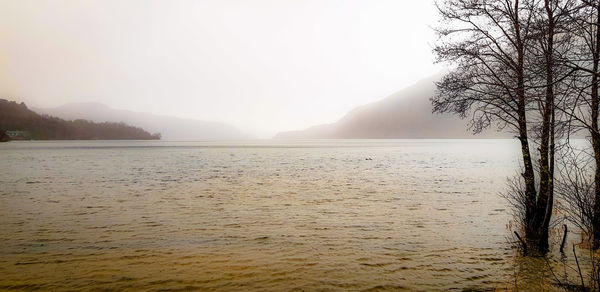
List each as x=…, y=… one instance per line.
x=263, y=66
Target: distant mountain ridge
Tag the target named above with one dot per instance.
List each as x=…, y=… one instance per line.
x=17, y=118
x=171, y=128
x=406, y=114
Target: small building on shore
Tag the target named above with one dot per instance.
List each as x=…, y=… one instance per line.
x=18, y=135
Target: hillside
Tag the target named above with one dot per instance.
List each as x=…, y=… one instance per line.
x=405, y=114
x=172, y=128
x=17, y=117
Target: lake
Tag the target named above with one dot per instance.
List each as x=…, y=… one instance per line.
x=261, y=215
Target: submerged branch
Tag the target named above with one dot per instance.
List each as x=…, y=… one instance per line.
x=523, y=244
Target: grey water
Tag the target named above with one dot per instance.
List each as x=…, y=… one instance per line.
x=262, y=215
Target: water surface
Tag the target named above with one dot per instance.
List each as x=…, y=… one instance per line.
x=268, y=215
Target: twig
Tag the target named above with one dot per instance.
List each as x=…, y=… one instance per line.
x=562, y=245
x=523, y=244
x=517, y=277
x=552, y=271
x=598, y=278
x=578, y=268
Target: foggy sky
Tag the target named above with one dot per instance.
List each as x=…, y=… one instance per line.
x=261, y=65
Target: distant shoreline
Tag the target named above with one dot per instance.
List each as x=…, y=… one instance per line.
x=17, y=122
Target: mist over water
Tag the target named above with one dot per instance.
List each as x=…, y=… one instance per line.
x=272, y=215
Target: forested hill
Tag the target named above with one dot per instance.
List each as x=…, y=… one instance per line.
x=17, y=117
x=407, y=114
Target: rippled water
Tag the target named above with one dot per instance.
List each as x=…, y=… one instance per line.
x=267, y=215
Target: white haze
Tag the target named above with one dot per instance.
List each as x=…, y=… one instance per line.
x=263, y=66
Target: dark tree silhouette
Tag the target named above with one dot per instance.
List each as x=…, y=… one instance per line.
x=550, y=72
x=584, y=106
x=505, y=70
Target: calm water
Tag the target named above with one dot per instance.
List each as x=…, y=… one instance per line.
x=267, y=215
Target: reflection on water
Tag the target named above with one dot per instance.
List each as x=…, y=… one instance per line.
x=422, y=214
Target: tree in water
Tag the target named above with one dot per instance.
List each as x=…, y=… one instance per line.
x=583, y=107
x=505, y=69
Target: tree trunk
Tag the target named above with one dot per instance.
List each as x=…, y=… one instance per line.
x=594, y=133
x=528, y=173
x=545, y=198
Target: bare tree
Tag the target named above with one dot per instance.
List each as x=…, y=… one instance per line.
x=584, y=106
x=507, y=66
x=487, y=41
x=549, y=87
x=576, y=187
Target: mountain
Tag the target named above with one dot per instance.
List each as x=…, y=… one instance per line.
x=171, y=128
x=405, y=114
x=18, y=121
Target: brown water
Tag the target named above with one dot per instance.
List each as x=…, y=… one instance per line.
x=263, y=215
